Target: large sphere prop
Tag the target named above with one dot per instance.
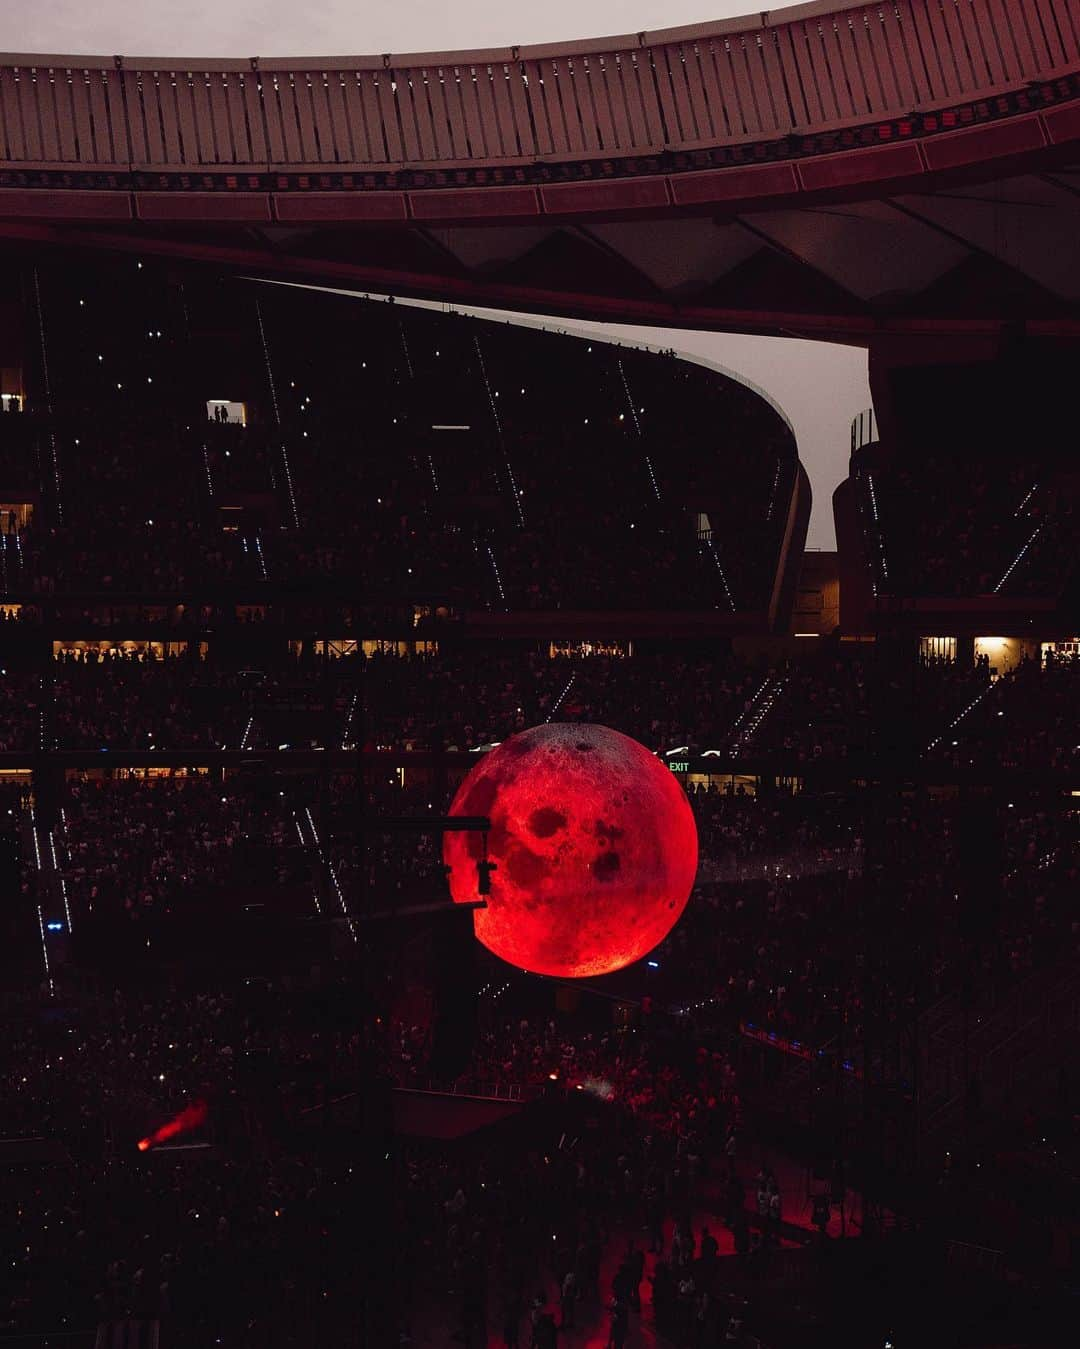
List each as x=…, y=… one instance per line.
x=594, y=846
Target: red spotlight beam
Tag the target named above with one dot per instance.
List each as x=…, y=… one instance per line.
x=191, y=1117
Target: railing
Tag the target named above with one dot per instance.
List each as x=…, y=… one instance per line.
x=57, y=1339
x=963, y=1256
x=759, y=707
x=759, y=78
x=1004, y=1044
x=517, y=1092
x=864, y=430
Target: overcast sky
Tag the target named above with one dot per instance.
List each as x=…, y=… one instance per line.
x=820, y=386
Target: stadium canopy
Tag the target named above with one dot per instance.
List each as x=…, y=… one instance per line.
x=829, y=170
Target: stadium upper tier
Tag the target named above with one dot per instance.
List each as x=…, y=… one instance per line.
x=185, y=431
x=698, y=158
x=967, y=498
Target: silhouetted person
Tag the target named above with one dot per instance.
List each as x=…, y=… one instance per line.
x=635, y=1266
x=512, y=1321
x=620, y=1325
x=567, y=1299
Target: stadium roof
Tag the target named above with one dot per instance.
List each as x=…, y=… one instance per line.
x=832, y=170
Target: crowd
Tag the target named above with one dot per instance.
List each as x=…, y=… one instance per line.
x=644, y=1171
x=956, y=520
x=654, y=1138
x=226, y=938
x=127, y=703
x=778, y=868
x=583, y=459
x=1026, y=721
x=188, y=1238
x=779, y=873
x=176, y=848
x=20, y=696
x=788, y=884
x=459, y=696
x=245, y=1238
x=779, y=949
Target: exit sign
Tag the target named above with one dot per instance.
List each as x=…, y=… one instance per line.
x=679, y=765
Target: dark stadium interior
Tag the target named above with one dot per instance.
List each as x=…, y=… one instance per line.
x=280, y=566
x=235, y=650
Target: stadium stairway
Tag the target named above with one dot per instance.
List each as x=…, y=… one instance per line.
x=750, y=720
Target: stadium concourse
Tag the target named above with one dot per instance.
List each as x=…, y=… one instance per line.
x=280, y=566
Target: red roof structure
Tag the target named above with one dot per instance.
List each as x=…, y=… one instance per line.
x=832, y=170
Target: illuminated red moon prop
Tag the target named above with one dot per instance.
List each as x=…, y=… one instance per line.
x=594, y=844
